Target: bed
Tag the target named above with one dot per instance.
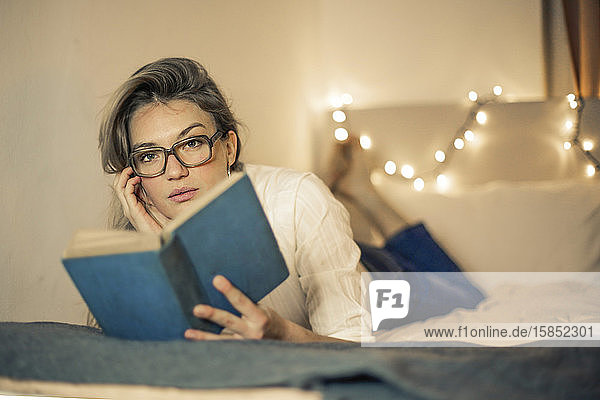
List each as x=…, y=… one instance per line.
x=543, y=225
x=69, y=360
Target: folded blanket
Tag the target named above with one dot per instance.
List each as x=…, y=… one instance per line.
x=69, y=353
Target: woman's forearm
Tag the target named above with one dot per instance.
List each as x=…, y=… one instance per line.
x=290, y=332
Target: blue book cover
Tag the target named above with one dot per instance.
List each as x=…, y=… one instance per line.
x=143, y=286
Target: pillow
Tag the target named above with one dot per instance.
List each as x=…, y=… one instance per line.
x=509, y=226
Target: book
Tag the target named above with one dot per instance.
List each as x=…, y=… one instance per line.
x=144, y=286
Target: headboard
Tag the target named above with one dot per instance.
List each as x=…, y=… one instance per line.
x=518, y=201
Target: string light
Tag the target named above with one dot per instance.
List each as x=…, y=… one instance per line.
x=464, y=131
x=419, y=184
x=481, y=117
x=365, y=142
x=586, y=146
x=473, y=95
x=336, y=101
x=443, y=183
x=390, y=167
x=339, y=116
x=341, y=134
x=469, y=135
x=407, y=171
x=440, y=156
x=459, y=144
x=590, y=170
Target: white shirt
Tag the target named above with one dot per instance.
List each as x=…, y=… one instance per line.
x=312, y=228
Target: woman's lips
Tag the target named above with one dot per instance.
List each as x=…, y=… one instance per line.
x=179, y=196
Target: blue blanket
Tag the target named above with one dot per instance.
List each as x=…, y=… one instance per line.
x=69, y=353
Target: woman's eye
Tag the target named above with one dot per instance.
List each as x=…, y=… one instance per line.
x=193, y=144
x=147, y=157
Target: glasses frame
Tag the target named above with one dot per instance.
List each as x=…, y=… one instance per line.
x=167, y=152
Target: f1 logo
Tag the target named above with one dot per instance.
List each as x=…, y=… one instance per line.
x=389, y=299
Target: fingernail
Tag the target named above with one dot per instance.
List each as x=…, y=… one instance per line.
x=199, y=309
x=189, y=334
x=219, y=282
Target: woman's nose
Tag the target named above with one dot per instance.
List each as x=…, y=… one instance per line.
x=174, y=169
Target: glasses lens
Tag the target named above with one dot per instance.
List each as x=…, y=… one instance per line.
x=148, y=162
x=194, y=150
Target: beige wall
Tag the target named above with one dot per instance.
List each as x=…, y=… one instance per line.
x=277, y=60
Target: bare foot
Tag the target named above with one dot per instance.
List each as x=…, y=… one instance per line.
x=349, y=170
x=350, y=182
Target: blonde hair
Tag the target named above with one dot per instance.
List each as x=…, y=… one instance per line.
x=158, y=83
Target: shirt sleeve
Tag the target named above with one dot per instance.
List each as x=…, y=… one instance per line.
x=327, y=261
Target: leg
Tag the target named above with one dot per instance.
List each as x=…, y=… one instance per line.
x=350, y=183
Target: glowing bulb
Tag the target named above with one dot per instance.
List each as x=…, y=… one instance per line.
x=443, y=182
x=347, y=98
x=588, y=145
x=459, y=144
x=390, y=167
x=339, y=116
x=568, y=124
x=365, y=142
x=341, y=134
x=566, y=145
x=336, y=101
x=473, y=95
x=571, y=97
x=469, y=135
x=573, y=104
x=590, y=170
x=407, y=171
x=497, y=90
x=481, y=117
x=440, y=156
x=419, y=184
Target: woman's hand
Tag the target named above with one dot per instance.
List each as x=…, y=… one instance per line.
x=255, y=322
x=143, y=216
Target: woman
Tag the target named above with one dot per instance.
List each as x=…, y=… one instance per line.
x=172, y=105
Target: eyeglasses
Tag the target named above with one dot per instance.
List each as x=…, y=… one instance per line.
x=190, y=152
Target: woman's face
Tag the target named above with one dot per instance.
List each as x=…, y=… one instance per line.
x=161, y=125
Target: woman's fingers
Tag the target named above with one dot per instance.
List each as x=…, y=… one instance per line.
x=195, y=334
x=240, y=301
x=227, y=320
x=255, y=322
x=127, y=189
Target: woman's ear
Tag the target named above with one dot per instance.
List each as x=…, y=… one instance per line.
x=231, y=146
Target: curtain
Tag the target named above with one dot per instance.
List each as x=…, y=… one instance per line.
x=583, y=28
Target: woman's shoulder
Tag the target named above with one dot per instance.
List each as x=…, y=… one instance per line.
x=305, y=187
x=272, y=182
x=265, y=176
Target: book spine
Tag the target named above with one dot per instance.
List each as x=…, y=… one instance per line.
x=186, y=284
